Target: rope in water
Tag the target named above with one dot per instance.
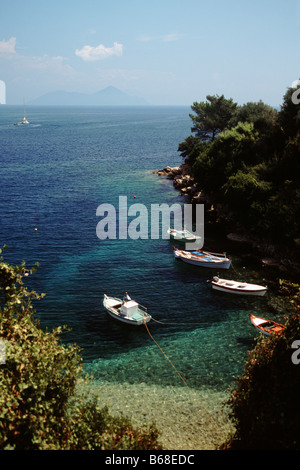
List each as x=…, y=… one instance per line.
x=185, y=383
x=201, y=324
x=169, y=323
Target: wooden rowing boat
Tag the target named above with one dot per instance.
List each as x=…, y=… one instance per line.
x=203, y=259
x=267, y=327
x=235, y=287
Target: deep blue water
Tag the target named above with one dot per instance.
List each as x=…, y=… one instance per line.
x=54, y=174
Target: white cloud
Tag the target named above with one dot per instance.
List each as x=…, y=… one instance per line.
x=39, y=73
x=171, y=37
x=100, y=52
x=8, y=47
x=146, y=38
x=296, y=83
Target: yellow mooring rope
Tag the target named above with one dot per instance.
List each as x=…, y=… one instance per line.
x=210, y=419
x=166, y=356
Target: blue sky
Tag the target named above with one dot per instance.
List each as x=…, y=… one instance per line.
x=169, y=52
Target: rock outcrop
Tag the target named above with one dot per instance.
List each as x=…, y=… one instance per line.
x=184, y=182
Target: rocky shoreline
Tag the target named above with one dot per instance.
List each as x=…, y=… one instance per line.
x=183, y=181
x=220, y=215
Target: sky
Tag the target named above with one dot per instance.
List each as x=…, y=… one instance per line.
x=168, y=52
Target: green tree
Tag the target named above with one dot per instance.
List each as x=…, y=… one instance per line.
x=222, y=158
x=262, y=116
x=247, y=157
x=212, y=117
x=289, y=115
x=191, y=148
x=39, y=405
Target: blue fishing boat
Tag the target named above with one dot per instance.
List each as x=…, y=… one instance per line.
x=203, y=259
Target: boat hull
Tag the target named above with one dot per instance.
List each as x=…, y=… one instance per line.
x=267, y=327
x=125, y=320
x=234, y=287
x=183, y=236
x=203, y=262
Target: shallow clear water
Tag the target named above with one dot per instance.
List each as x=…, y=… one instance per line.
x=54, y=174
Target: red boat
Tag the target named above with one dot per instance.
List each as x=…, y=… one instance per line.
x=267, y=327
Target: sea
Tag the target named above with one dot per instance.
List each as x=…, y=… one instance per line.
x=55, y=172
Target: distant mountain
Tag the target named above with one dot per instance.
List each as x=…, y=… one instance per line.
x=110, y=96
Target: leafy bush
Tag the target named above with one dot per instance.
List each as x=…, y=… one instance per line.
x=265, y=405
x=39, y=408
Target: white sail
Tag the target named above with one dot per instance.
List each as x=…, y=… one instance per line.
x=24, y=120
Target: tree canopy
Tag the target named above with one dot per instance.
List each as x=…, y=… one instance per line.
x=212, y=116
x=247, y=157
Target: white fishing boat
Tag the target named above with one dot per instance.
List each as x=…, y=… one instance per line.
x=203, y=259
x=235, y=287
x=126, y=310
x=267, y=327
x=183, y=235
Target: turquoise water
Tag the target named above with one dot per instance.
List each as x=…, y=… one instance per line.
x=54, y=173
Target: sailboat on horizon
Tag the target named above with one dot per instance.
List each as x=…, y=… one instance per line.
x=24, y=120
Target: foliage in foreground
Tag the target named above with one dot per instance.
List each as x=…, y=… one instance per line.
x=265, y=405
x=39, y=408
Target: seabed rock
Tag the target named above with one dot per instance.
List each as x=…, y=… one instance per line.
x=238, y=238
x=270, y=262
